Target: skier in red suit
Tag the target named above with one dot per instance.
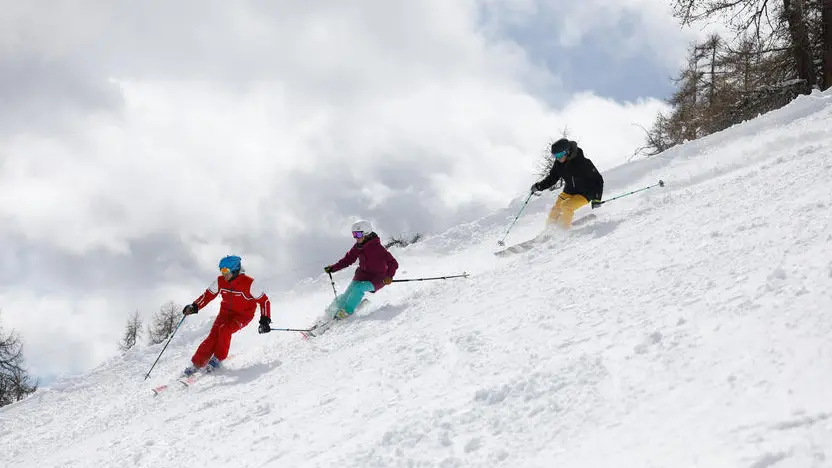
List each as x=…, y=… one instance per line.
x=240, y=297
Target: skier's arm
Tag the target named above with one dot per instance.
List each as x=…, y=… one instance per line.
x=600, y=193
x=208, y=296
x=262, y=299
x=392, y=265
x=597, y=181
x=348, y=260
x=550, y=180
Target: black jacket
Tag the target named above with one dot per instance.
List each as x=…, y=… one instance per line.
x=580, y=177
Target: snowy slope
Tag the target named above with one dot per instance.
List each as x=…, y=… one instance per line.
x=687, y=326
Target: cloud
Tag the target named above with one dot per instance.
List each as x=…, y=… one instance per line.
x=157, y=137
x=624, y=49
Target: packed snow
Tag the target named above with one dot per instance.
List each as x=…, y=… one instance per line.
x=683, y=326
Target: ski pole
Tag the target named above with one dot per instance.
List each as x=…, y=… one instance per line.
x=599, y=202
x=332, y=281
x=166, y=347
x=291, y=329
x=463, y=275
x=502, y=241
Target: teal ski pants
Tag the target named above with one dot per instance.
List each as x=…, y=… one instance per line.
x=350, y=299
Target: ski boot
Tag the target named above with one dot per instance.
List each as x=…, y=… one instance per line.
x=214, y=364
x=190, y=370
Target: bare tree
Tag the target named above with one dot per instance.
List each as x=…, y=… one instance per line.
x=795, y=16
x=825, y=34
x=658, y=139
x=544, y=165
x=15, y=382
x=164, y=322
x=773, y=58
x=403, y=241
x=132, y=332
x=754, y=16
x=801, y=26
x=723, y=85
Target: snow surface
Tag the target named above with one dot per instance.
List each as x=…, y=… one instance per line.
x=685, y=326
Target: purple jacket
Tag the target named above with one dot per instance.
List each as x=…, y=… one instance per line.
x=374, y=262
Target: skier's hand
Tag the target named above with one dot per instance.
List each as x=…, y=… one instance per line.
x=534, y=188
x=190, y=309
x=596, y=203
x=328, y=269
x=265, y=324
x=388, y=280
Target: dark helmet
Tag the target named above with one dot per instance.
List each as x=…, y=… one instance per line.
x=564, y=145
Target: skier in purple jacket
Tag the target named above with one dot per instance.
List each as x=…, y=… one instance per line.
x=376, y=268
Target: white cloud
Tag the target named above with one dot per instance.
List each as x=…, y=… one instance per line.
x=258, y=128
x=608, y=131
x=627, y=28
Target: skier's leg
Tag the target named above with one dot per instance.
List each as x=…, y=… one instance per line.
x=224, y=332
x=337, y=304
x=355, y=293
x=568, y=209
x=555, y=212
x=206, y=348
x=362, y=304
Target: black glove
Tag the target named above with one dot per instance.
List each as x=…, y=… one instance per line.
x=190, y=309
x=535, y=187
x=328, y=269
x=596, y=203
x=265, y=324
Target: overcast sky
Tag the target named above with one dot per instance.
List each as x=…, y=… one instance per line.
x=142, y=141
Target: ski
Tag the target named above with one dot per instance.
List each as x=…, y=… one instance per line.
x=184, y=381
x=321, y=327
x=317, y=330
x=584, y=219
x=191, y=379
x=159, y=389
x=524, y=246
x=541, y=238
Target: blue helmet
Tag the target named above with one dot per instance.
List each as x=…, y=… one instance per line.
x=232, y=262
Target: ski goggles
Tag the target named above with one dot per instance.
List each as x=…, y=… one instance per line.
x=357, y=234
x=560, y=154
x=225, y=271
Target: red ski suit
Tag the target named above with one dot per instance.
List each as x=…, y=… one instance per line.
x=240, y=298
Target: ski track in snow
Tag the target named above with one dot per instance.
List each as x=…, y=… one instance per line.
x=685, y=326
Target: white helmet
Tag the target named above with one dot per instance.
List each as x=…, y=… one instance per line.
x=362, y=226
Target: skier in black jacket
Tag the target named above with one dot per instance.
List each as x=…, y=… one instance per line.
x=582, y=182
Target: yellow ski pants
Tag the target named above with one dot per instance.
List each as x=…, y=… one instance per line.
x=564, y=209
